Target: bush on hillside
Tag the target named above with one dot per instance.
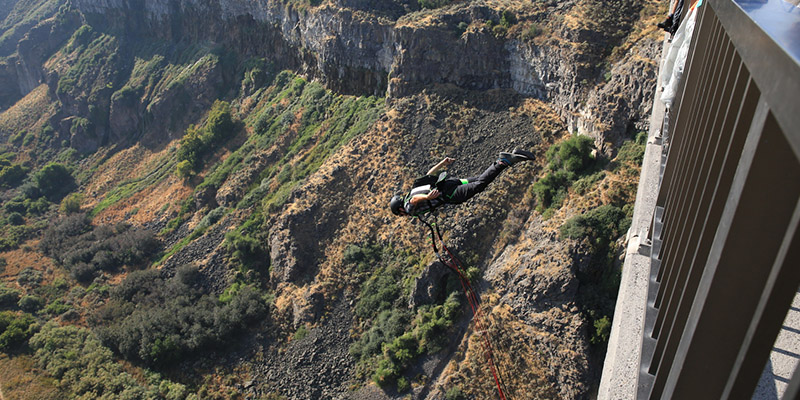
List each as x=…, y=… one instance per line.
x=363, y=257
x=552, y=189
x=573, y=154
x=454, y=393
x=85, y=250
x=379, y=293
x=388, y=325
x=8, y=296
x=15, y=329
x=29, y=277
x=12, y=175
x=15, y=218
x=632, y=151
x=30, y=303
x=428, y=334
x=199, y=141
x=248, y=252
x=567, y=162
x=86, y=369
x=601, y=226
x=54, y=181
x=26, y=205
x=396, y=336
x=161, y=320
x=14, y=235
x=71, y=204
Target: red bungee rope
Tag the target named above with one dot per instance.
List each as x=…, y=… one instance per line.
x=454, y=264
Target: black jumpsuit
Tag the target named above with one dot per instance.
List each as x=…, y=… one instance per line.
x=453, y=191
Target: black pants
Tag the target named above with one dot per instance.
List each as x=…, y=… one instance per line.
x=454, y=191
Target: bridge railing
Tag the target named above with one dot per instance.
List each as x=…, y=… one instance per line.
x=724, y=244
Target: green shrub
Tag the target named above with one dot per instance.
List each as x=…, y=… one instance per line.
x=552, y=189
x=15, y=329
x=573, y=154
x=581, y=186
x=15, y=218
x=12, y=175
x=602, y=330
x=81, y=37
x=31, y=303
x=601, y=226
x=85, y=250
x=532, y=32
x=386, y=373
x=82, y=125
x=57, y=307
x=211, y=218
x=633, y=151
x=301, y=333
x=86, y=369
x=402, y=385
x=599, y=280
x=71, y=204
x=184, y=169
x=507, y=18
x=387, y=326
x=379, y=293
x=364, y=258
x=454, y=393
x=18, y=137
x=433, y=322
x=54, y=181
x=248, y=252
x=161, y=320
x=8, y=296
x=231, y=292
x=567, y=161
x=198, y=142
x=15, y=205
x=461, y=28
x=29, y=277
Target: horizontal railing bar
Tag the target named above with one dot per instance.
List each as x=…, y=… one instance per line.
x=773, y=69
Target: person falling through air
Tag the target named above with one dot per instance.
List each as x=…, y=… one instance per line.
x=436, y=189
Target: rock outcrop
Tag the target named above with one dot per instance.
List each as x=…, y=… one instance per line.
x=353, y=51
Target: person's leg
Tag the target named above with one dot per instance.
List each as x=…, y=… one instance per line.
x=474, y=185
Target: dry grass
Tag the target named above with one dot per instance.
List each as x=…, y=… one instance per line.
x=28, y=256
x=29, y=113
x=20, y=379
x=518, y=363
x=144, y=206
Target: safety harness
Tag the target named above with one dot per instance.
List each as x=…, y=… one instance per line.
x=429, y=205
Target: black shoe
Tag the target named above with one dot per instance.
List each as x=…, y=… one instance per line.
x=515, y=157
x=523, y=153
x=666, y=24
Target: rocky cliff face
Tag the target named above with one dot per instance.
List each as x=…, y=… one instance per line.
x=307, y=171
x=353, y=51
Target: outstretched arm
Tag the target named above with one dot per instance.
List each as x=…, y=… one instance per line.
x=438, y=167
x=424, y=197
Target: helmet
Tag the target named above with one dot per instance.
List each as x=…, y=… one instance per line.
x=396, y=204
